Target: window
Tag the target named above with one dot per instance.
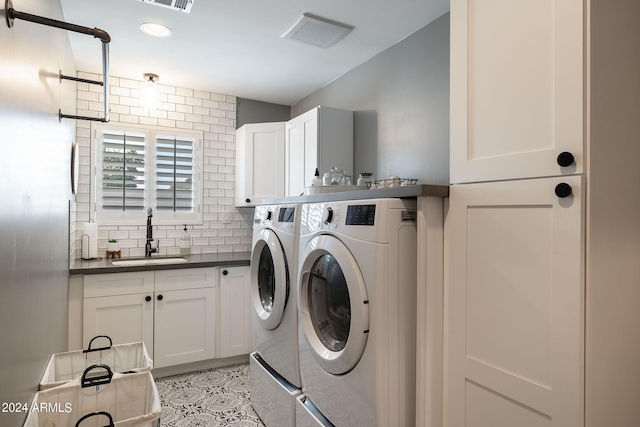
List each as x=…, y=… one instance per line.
x=138, y=167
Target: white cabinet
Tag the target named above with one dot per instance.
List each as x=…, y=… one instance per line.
x=124, y=318
x=516, y=88
x=172, y=311
x=236, y=332
x=320, y=138
x=259, y=162
x=119, y=305
x=516, y=298
x=185, y=316
x=543, y=326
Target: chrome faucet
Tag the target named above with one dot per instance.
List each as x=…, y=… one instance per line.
x=148, y=250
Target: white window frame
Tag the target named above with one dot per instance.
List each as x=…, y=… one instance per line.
x=150, y=192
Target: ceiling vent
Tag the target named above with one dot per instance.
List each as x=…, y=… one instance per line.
x=179, y=5
x=316, y=31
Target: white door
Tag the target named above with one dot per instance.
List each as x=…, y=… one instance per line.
x=301, y=152
x=124, y=318
x=185, y=326
x=516, y=88
x=333, y=305
x=259, y=162
x=236, y=332
x=515, y=295
x=270, y=279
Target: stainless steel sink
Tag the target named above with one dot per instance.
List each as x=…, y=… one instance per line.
x=147, y=261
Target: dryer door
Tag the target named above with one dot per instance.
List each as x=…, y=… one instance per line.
x=334, y=307
x=269, y=279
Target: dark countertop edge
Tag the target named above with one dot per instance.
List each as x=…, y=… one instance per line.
x=382, y=193
x=230, y=259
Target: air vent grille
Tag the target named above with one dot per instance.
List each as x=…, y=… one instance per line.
x=316, y=31
x=180, y=5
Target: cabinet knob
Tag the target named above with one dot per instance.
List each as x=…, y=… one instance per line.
x=160, y=297
x=225, y=272
x=563, y=190
x=248, y=200
x=147, y=298
x=565, y=159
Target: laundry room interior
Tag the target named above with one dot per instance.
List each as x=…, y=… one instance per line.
x=294, y=214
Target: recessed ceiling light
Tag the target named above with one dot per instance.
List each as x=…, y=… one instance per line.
x=155, y=30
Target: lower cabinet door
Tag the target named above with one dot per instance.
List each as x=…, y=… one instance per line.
x=236, y=332
x=124, y=318
x=185, y=326
x=515, y=304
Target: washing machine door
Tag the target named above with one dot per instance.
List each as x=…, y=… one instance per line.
x=269, y=279
x=333, y=304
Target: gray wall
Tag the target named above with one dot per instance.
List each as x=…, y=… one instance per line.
x=34, y=200
x=251, y=111
x=401, y=103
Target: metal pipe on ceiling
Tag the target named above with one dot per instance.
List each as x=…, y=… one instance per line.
x=11, y=14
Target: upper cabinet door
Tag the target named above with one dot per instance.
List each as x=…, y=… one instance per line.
x=320, y=138
x=259, y=162
x=517, y=97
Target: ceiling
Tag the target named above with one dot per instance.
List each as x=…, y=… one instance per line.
x=235, y=47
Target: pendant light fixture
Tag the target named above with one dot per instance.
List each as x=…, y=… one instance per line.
x=149, y=91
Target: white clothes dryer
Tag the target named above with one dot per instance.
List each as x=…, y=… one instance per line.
x=274, y=376
x=357, y=310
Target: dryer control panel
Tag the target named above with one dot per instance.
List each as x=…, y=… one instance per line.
x=360, y=215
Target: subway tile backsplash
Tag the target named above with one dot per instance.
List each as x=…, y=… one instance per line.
x=180, y=108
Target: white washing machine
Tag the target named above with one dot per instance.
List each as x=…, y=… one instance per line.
x=357, y=310
x=274, y=375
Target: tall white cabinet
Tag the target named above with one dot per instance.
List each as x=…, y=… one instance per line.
x=320, y=138
x=543, y=232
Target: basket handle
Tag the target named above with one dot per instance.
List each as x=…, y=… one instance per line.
x=98, y=379
x=89, y=349
x=95, y=414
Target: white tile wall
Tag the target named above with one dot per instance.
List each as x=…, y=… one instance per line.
x=181, y=108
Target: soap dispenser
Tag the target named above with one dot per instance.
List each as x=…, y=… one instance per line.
x=185, y=242
x=316, y=181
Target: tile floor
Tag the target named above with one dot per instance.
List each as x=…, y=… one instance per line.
x=212, y=398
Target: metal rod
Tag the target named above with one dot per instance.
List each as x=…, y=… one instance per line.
x=95, y=32
x=105, y=78
x=12, y=14
x=71, y=116
x=76, y=79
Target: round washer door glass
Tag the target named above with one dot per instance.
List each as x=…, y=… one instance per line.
x=329, y=305
x=269, y=279
x=333, y=307
x=266, y=279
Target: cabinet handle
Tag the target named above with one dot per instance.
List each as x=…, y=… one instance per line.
x=160, y=297
x=565, y=159
x=563, y=190
x=147, y=298
x=248, y=200
x=225, y=272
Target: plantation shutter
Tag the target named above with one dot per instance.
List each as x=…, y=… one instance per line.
x=123, y=171
x=174, y=174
